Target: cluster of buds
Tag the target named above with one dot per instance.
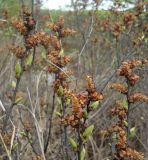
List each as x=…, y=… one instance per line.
x=25, y=27
x=80, y=103
x=137, y=97
x=59, y=61
x=93, y=95
x=59, y=28
x=105, y=24
x=129, y=19
x=126, y=70
x=120, y=128
x=117, y=29
x=119, y=87
x=18, y=51
x=19, y=26
x=38, y=38
x=29, y=22
x=122, y=149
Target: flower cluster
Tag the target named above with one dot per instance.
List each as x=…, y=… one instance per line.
x=122, y=149
x=80, y=103
x=136, y=97
x=28, y=22
x=59, y=28
x=128, y=19
x=93, y=95
x=117, y=29
x=126, y=70
x=25, y=27
x=18, y=51
x=19, y=26
x=119, y=87
x=121, y=128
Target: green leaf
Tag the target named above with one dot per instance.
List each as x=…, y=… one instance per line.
x=125, y=104
x=23, y=134
x=18, y=70
x=62, y=52
x=60, y=91
x=85, y=115
x=58, y=114
x=29, y=60
x=17, y=100
x=82, y=154
x=14, y=146
x=13, y=84
x=94, y=105
x=132, y=132
x=72, y=143
x=68, y=101
x=126, y=123
x=88, y=131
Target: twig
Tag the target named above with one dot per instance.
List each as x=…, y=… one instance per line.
x=7, y=151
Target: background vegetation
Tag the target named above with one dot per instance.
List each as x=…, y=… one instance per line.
x=73, y=84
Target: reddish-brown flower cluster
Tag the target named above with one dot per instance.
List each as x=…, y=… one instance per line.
x=126, y=71
x=28, y=22
x=19, y=26
x=105, y=25
x=128, y=19
x=122, y=149
x=93, y=95
x=38, y=38
x=119, y=87
x=59, y=28
x=25, y=28
x=137, y=97
x=79, y=103
x=116, y=30
x=18, y=51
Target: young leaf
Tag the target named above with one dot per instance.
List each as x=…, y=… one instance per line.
x=125, y=104
x=58, y=114
x=23, y=134
x=14, y=146
x=29, y=60
x=17, y=100
x=72, y=143
x=13, y=84
x=60, y=91
x=18, y=70
x=62, y=52
x=88, y=131
x=126, y=123
x=94, y=105
x=85, y=115
x=82, y=154
x=132, y=132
